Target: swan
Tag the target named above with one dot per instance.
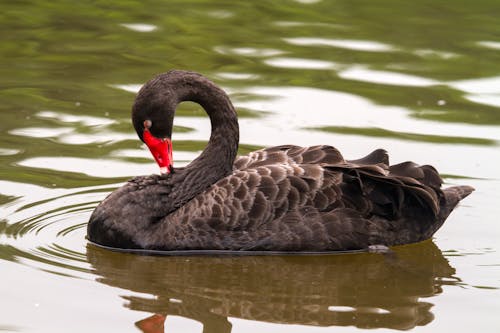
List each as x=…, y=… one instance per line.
x=284, y=198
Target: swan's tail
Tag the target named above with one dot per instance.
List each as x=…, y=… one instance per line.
x=452, y=197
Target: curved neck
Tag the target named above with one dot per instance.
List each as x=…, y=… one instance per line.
x=216, y=160
x=219, y=154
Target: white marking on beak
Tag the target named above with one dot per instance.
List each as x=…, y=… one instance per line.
x=164, y=170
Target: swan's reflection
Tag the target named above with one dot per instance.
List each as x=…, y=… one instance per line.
x=376, y=290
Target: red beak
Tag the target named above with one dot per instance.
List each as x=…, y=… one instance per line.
x=161, y=150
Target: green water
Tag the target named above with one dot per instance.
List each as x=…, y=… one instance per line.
x=420, y=79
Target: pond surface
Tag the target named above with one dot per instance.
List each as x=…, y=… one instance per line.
x=420, y=79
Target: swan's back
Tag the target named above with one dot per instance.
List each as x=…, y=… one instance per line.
x=291, y=198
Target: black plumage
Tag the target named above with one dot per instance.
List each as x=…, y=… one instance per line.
x=284, y=198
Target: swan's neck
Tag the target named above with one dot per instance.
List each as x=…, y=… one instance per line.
x=216, y=160
x=218, y=156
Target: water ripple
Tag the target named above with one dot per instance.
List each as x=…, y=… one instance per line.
x=248, y=51
x=104, y=168
x=360, y=73
x=139, y=27
x=297, y=63
x=351, y=44
x=48, y=233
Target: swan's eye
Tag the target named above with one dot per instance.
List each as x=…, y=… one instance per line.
x=147, y=124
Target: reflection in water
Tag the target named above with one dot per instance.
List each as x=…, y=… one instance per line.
x=362, y=290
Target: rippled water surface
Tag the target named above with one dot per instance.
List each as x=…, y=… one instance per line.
x=421, y=79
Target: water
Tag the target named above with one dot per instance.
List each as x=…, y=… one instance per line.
x=419, y=79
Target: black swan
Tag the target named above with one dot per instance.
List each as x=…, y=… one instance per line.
x=284, y=198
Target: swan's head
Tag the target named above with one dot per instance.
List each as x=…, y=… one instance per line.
x=152, y=117
x=154, y=109
x=160, y=148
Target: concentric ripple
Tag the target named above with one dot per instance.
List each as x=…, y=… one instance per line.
x=48, y=232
